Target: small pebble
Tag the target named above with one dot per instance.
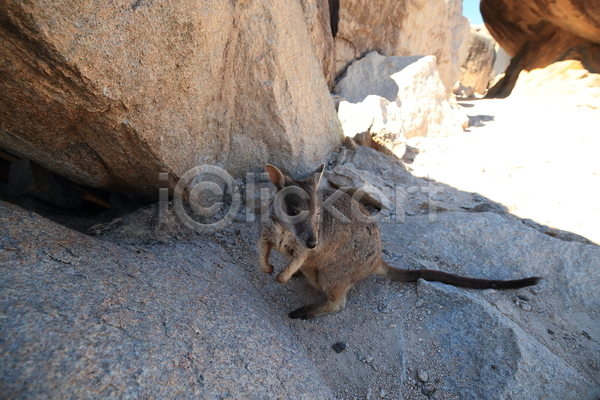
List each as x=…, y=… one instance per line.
x=478, y=197
x=550, y=331
x=339, y=347
x=422, y=375
x=526, y=307
x=382, y=393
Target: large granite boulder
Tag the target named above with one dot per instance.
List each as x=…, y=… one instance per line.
x=111, y=96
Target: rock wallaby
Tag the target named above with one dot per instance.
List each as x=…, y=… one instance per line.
x=332, y=240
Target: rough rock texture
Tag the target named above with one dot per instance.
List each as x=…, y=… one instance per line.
x=477, y=71
x=83, y=318
x=533, y=347
x=508, y=244
x=362, y=185
x=381, y=164
x=405, y=28
x=377, y=118
x=516, y=366
x=110, y=96
x=318, y=20
x=378, y=177
x=394, y=98
x=539, y=33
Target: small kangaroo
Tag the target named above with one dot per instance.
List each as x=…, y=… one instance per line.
x=333, y=241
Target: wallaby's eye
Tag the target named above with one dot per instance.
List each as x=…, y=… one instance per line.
x=293, y=211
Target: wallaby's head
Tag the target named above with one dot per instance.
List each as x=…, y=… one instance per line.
x=298, y=204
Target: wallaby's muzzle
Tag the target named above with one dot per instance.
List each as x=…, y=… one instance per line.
x=311, y=242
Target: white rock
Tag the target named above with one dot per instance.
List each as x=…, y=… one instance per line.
x=405, y=28
x=395, y=98
x=376, y=115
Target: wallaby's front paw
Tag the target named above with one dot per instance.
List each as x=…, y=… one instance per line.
x=267, y=269
x=281, y=278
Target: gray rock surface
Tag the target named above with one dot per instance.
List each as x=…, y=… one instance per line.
x=495, y=357
x=386, y=166
x=86, y=318
x=493, y=246
x=371, y=188
x=149, y=310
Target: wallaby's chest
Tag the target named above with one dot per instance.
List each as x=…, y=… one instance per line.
x=285, y=241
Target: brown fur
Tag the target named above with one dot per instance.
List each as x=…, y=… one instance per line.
x=345, y=250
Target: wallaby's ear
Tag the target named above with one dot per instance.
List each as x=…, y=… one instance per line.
x=275, y=176
x=318, y=174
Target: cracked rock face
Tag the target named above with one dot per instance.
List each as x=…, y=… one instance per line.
x=111, y=96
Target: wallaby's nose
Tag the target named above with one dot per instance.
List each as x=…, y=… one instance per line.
x=311, y=243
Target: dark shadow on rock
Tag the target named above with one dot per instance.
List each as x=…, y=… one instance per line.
x=478, y=120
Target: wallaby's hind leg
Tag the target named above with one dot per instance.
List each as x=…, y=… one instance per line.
x=336, y=301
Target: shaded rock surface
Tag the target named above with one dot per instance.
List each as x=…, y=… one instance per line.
x=512, y=367
x=477, y=71
x=27, y=178
x=111, y=96
x=539, y=33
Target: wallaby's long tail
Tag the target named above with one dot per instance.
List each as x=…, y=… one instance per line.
x=410, y=275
